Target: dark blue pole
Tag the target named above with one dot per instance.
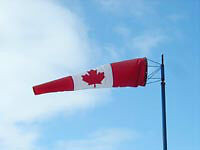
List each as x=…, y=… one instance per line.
x=164, y=123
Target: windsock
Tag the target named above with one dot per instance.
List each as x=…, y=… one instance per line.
x=128, y=73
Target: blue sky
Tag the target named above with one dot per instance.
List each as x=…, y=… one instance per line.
x=43, y=40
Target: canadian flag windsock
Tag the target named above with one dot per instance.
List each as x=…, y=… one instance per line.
x=129, y=73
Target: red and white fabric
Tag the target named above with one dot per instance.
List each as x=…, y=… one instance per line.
x=104, y=71
x=129, y=73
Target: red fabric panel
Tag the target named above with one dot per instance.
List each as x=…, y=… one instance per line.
x=130, y=73
x=63, y=84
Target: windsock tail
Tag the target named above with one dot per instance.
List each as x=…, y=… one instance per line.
x=63, y=84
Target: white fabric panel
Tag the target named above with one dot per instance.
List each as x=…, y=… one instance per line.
x=105, y=83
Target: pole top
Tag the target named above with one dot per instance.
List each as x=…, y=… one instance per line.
x=162, y=59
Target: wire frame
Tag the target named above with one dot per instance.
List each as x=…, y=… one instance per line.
x=151, y=77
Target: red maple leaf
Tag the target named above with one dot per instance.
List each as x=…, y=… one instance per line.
x=92, y=77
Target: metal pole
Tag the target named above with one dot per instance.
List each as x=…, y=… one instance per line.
x=164, y=123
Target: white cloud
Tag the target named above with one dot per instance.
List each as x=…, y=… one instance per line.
x=146, y=42
x=122, y=31
x=107, y=139
x=12, y=138
x=39, y=41
x=176, y=17
x=137, y=8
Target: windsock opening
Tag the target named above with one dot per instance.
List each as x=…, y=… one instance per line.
x=144, y=72
x=130, y=73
